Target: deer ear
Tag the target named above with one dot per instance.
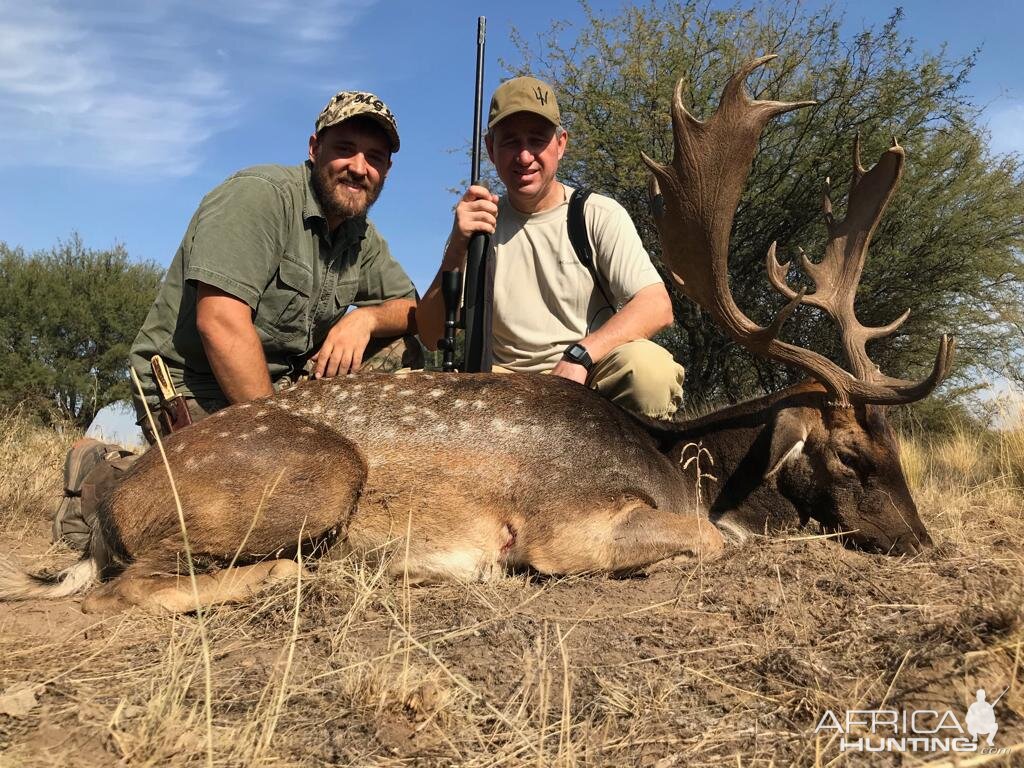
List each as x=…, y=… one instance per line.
x=789, y=432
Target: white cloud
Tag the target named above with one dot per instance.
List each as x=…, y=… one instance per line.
x=311, y=22
x=1006, y=125
x=139, y=86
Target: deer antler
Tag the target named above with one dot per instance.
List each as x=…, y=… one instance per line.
x=837, y=276
x=702, y=187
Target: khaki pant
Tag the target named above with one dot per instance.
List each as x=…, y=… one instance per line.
x=642, y=377
x=638, y=376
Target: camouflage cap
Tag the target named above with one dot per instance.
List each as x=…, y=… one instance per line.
x=348, y=104
x=523, y=94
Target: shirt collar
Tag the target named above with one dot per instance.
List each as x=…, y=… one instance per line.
x=310, y=205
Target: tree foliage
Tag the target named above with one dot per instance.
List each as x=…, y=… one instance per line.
x=67, y=319
x=949, y=247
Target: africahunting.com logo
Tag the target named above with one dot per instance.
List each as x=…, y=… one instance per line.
x=916, y=730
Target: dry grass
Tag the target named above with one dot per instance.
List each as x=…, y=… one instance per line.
x=724, y=664
x=967, y=459
x=32, y=459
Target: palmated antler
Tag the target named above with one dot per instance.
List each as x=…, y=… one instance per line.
x=837, y=276
x=702, y=187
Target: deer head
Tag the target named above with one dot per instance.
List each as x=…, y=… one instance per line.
x=840, y=466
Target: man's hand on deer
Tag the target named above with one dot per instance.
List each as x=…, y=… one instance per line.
x=342, y=350
x=571, y=371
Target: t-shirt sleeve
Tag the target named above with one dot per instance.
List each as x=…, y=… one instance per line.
x=380, y=277
x=622, y=261
x=236, y=238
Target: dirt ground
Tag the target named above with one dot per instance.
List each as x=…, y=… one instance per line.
x=732, y=663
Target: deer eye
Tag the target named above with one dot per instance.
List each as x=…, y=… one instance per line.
x=855, y=460
x=848, y=457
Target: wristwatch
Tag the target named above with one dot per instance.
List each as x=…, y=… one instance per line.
x=577, y=353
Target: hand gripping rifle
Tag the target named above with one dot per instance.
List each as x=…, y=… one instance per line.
x=479, y=267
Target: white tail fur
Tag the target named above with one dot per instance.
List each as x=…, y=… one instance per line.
x=18, y=584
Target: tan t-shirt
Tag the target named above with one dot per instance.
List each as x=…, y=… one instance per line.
x=544, y=298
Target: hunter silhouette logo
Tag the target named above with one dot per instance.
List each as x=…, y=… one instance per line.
x=541, y=96
x=981, y=717
x=916, y=730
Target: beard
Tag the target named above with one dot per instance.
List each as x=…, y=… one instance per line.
x=339, y=202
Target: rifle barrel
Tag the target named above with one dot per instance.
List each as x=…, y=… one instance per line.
x=475, y=306
x=478, y=101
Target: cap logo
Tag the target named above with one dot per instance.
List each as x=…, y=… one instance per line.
x=523, y=94
x=373, y=101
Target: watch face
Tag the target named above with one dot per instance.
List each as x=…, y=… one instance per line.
x=578, y=354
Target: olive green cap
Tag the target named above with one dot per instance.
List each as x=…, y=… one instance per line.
x=348, y=104
x=523, y=94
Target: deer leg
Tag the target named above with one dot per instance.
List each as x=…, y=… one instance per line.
x=159, y=593
x=426, y=538
x=251, y=483
x=283, y=496
x=621, y=539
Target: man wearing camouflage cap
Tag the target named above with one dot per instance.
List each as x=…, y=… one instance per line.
x=259, y=290
x=272, y=260
x=550, y=312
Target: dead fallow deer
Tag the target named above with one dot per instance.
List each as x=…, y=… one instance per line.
x=468, y=476
x=819, y=450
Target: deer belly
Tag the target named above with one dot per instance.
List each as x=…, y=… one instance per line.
x=424, y=546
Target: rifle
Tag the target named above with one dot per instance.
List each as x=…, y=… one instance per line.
x=451, y=290
x=477, y=305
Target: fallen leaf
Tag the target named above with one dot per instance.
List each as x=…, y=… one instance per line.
x=19, y=699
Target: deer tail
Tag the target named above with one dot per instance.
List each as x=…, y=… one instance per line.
x=18, y=584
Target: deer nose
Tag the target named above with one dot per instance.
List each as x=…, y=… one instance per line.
x=912, y=543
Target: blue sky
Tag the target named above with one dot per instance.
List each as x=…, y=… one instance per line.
x=116, y=117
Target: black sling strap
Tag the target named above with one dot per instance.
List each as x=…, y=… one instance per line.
x=577, y=228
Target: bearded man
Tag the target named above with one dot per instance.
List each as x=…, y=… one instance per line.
x=259, y=292
x=260, y=288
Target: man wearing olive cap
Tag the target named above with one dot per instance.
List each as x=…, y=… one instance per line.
x=550, y=313
x=270, y=264
x=259, y=290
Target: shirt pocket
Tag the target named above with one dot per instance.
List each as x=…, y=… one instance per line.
x=345, y=294
x=329, y=314
x=284, y=308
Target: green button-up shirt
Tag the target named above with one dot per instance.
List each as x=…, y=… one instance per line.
x=262, y=237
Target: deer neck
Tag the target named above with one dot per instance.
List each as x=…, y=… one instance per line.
x=726, y=454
